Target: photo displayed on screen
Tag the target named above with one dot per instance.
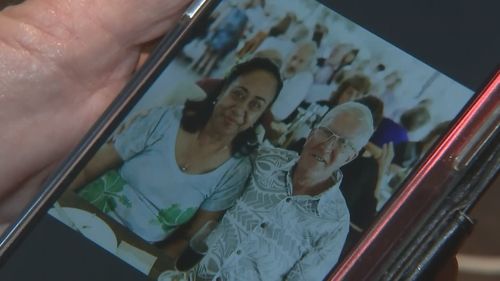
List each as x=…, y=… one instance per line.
x=264, y=150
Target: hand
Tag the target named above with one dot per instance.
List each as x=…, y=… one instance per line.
x=61, y=64
x=279, y=127
x=384, y=160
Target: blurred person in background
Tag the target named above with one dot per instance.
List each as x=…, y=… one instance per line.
x=297, y=81
x=271, y=36
x=350, y=89
x=223, y=37
x=340, y=56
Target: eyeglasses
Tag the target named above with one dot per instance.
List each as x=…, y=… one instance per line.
x=325, y=134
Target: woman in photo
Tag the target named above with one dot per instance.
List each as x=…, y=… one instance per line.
x=174, y=165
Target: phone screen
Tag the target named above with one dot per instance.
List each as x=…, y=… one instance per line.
x=244, y=159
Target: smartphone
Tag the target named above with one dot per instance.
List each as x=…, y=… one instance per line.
x=233, y=154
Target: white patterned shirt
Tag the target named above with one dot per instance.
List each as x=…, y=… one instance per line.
x=271, y=234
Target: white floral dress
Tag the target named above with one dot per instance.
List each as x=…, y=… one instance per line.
x=149, y=194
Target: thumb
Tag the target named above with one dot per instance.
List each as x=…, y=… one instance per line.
x=127, y=19
x=130, y=22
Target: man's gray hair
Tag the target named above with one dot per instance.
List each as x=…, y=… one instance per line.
x=362, y=113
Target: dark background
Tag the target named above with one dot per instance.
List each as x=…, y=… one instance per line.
x=55, y=252
x=460, y=38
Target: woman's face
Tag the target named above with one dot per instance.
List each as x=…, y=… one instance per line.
x=298, y=62
x=243, y=102
x=349, y=94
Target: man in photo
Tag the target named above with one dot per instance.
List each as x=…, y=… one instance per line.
x=297, y=80
x=292, y=220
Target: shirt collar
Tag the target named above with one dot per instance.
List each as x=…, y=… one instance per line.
x=331, y=202
x=325, y=195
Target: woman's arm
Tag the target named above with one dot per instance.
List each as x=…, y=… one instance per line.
x=230, y=189
x=179, y=241
x=105, y=159
x=129, y=139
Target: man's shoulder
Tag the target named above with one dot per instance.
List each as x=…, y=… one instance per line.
x=275, y=157
x=279, y=154
x=161, y=112
x=334, y=207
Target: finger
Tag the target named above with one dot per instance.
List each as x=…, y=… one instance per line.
x=390, y=151
x=65, y=61
x=132, y=21
x=145, y=19
x=146, y=50
x=12, y=204
x=72, y=34
x=383, y=152
x=52, y=139
x=388, y=154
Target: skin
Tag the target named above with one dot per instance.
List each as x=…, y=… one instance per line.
x=242, y=103
x=384, y=165
x=61, y=63
x=239, y=107
x=349, y=94
x=299, y=61
x=341, y=54
x=349, y=58
x=392, y=81
x=319, y=159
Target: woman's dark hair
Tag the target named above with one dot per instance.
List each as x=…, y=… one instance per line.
x=359, y=82
x=436, y=132
x=197, y=113
x=376, y=107
x=415, y=118
x=282, y=26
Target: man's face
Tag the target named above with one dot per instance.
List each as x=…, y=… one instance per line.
x=298, y=61
x=332, y=144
